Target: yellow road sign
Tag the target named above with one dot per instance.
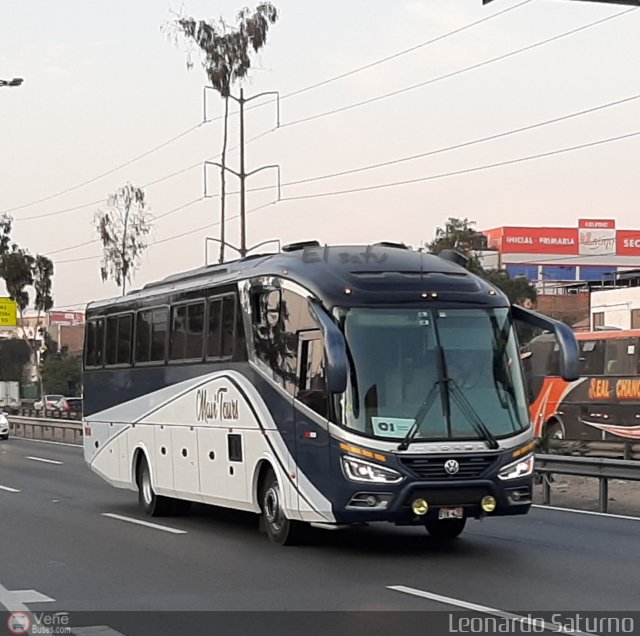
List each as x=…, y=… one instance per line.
x=8, y=313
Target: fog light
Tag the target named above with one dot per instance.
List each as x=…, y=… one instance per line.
x=419, y=507
x=488, y=504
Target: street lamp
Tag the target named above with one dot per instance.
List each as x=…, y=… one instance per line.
x=16, y=81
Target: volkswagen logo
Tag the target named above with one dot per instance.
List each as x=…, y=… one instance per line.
x=451, y=466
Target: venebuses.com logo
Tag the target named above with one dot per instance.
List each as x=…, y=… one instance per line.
x=19, y=623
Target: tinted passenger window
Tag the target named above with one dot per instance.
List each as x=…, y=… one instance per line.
x=620, y=356
x=159, y=334
x=228, y=325
x=94, y=343
x=221, y=323
x=151, y=335
x=112, y=340
x=592, y=357
x=125, y=333
x=118, y=340
x=187, y=328
x=214, y=335
x=143, y=336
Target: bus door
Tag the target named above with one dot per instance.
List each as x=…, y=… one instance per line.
x=311, y=413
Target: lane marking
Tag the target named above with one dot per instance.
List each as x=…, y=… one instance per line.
x=15, y=601
x=96, y=630
x=147, y=524
x=587, y=512
x=44, y=461
x=7, y=489
x=482, y=609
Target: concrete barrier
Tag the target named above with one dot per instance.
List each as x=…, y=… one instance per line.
x=52, y=430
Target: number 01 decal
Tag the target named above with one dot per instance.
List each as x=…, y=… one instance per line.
x=391, y=426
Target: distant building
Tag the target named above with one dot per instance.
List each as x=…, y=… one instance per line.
x=617, y=308
x=593, y=251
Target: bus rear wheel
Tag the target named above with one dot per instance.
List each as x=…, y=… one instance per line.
x=152, y=504
x=445, y=528
x=280, y=530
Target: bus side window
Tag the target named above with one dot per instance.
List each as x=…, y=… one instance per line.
x=143, y=336
x=620, y=357
x=112, y=340
x=125, y=332
x=95, y=343
x=592, y=357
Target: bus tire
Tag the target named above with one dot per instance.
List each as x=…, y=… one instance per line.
x=445, y=528
x=279, y=529
x=152, y=504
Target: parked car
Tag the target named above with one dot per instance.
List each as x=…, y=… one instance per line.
x=50, y=403
x=74, y=405
x=4, y=426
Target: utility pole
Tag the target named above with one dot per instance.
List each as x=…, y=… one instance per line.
x=243, y=174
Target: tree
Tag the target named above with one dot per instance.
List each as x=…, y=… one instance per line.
x=20, y=270
x=460, y=235
x=226, y=58
x=123, y=229
x=62, y=374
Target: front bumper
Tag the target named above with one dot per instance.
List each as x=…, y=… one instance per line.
x=513, y=497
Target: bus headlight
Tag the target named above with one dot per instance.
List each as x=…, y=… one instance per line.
x=360, y=470
x=521, y=468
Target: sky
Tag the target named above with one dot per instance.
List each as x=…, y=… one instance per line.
x=104, y=85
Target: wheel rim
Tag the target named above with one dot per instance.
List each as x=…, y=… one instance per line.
x=147, y=491
x=272, y=509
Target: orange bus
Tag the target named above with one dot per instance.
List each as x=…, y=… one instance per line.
x=599, y=410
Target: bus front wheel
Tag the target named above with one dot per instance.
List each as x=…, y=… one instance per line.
x=445, y=528
x=152, y=504
x=279, y=529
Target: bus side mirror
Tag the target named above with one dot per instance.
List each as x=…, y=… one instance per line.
x=569, y=350
x=335, y=349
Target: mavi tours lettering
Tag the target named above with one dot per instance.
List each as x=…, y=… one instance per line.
x=215, y=407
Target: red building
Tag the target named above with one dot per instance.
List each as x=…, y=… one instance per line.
x=593, y=251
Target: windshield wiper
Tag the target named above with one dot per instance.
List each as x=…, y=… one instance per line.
x=472, y=416
x=419, y=417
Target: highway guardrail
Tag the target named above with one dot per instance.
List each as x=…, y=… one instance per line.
x=602, y=468
x=49, y=429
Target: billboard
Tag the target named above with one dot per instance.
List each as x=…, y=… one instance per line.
x=65, y=317
x=536, y=240
x=8, y=312
x=592, y=237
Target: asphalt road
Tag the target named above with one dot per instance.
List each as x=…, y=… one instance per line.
x=60, y=552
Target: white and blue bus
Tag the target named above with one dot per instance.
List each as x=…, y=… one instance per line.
x=319, y=385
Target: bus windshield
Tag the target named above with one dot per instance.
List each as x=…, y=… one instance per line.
x=401, y=359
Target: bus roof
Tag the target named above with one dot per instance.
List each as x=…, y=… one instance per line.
x=351, y=275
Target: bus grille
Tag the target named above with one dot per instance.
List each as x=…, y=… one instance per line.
x=433, y=467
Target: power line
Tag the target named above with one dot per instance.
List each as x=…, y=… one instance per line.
x=465, y=143
x=161, y=216
x=466, y=69
x=399, y=183
x=421, y=155
x=106, y=173
x=171, y=238
x=402, y=159
x=401, y=53
x=291, y=94
x=459, y=172
x=144, y=185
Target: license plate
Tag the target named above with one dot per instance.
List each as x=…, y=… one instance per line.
x=450, y=513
